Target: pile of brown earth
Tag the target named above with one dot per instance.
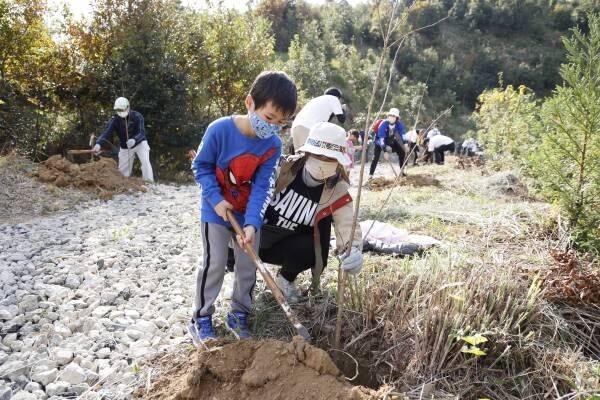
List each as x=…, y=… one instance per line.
x=381, y=183
x=257, y=370
x=102, y=174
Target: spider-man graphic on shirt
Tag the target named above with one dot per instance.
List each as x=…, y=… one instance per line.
x=236, y=179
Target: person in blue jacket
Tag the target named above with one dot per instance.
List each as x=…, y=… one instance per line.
x=390, y=135
x=129, y=126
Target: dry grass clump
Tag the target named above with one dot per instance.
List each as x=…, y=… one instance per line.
x=434, y=325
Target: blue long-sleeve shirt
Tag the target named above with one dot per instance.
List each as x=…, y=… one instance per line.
x=135, y=129
x=234, y=167
x=384, y=128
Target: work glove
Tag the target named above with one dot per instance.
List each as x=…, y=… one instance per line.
x=352, y=263
x=380, y=142
x=388, y=149
x=96, y=149
x=130, y=143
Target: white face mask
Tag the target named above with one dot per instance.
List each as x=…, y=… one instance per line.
x=320, y=170
x=123, y=114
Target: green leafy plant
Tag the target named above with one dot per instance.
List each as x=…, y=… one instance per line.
x=565, y=162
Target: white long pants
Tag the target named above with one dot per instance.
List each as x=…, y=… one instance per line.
x=126, y=157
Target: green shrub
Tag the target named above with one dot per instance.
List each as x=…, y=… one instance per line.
x=566, y=162
x=507, y=122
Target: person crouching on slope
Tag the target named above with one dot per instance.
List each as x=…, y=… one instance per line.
x=311, y=194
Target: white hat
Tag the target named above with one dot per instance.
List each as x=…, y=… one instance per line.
x=121, y=104
x=328, y=140
x=395, y=112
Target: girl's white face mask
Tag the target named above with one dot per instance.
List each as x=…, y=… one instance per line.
x=123, y=114
x=320, y=170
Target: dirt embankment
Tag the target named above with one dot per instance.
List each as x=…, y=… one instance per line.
x=257, y=370
x=102, y=174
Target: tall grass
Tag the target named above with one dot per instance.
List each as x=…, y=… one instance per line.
x=438, y=323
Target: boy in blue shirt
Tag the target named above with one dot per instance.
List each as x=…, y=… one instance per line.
x=235, y=168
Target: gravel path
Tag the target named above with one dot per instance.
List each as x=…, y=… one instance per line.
x=86, y=294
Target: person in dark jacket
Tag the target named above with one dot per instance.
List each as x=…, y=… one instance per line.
x=129, y=126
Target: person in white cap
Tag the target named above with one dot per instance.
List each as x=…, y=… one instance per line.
x=129, y=126
x=311, y=193
x=319, y=109
x=390, y=134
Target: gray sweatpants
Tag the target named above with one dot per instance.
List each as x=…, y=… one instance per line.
x=210, y=274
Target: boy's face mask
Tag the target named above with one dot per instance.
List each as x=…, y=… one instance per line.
x=123, y=114
x=262, y=128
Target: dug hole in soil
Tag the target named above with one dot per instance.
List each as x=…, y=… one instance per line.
x=102, y=174
x=418, y=180
x=256, y=370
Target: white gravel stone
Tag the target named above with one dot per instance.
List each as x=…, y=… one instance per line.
x=61, y=329
x=72, y=281
x=103, y=353
x=44, y=376
x=52, y=316
x=40, y=394
x=5, y=392
x=101, y=311
x=134, y=333
x=23, y=395
x=8, y=312
x=133, y=314
x=28, y=303
x=73, y=374
x=32, y=387
x=13, y=369
x=57, y=388
x=17, y=346
x=79, y=389
x=63, y=356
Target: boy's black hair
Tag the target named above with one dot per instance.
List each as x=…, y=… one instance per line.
x=354, y=132
x=333, y=91
x=276, y=87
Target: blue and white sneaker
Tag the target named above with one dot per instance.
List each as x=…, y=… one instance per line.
x=202, y=329
x=237, y=323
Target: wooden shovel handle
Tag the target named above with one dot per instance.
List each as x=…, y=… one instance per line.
x=239, y=231
x=270, y=282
